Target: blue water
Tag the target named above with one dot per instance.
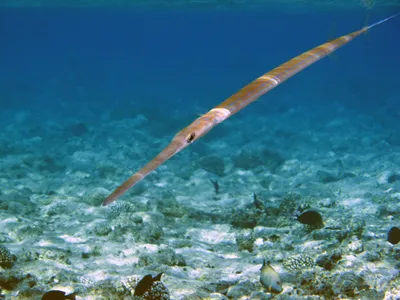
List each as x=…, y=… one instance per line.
x=58, y=60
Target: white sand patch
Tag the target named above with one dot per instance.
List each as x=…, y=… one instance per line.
x=213, y=236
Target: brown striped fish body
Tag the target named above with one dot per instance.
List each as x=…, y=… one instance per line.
x=237, y=102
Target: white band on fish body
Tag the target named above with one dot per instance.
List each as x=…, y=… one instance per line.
x=273, y=79
x=222, y=114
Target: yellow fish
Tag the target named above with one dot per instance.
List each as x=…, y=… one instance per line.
x=270, y=278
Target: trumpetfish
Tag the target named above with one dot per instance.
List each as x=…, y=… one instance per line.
x=237, y=102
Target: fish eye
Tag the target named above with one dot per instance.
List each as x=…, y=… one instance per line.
x=190, y=137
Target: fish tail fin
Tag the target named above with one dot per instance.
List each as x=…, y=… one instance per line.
x=158, y=277
x=71, y=296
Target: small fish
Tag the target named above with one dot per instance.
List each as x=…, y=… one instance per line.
x=393, y=236
x=145, y=284
x=270, y=278
x=311, y=217
x=216, y=185
x=58, y=295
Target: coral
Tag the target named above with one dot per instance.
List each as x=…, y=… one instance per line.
x=29, y=293
x=158, y=290
x=6, y=258
x=168, y=257
x=245, y=241
x=241, y=290
x=94, y=199
x=58, y=255
x=130, y=282
x=371, y=294
x=243, y=217
x=333, y=286
x=53, y=254
x=58, y=209
x=299, y=263
x=95, y=251
x=150, y=233
x=357, y=227
x=329, y=261
x=169, y=207
x=289, y=204
x=212, y=164
x=102, y=229
x=349, y=284
x=261, y=296
x=117, y=208
x=372, y=256
x=313, y=283
x=136, y=219
x=355, y=246
x=10, y=280
x=393, y=291
x=250, y=216
x=106, y=289
x=165, y=256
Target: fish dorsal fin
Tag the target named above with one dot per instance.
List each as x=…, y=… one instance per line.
x=265, y=263
x=158, y=277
